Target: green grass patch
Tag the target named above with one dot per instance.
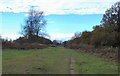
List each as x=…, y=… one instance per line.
x=53, y=60
x=90, y=64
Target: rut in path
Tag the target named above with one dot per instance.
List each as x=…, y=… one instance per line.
x=72, y=68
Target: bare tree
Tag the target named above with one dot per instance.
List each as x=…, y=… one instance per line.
x=111, y=16
x=34, y=24
x=76, y=35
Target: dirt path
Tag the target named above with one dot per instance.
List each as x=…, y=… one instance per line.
x=72, y=68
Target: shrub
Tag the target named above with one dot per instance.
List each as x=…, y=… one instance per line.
x=29, y=46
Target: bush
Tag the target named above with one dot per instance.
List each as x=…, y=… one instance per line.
x=105, y=52
x=29, y=46
x=73, y=46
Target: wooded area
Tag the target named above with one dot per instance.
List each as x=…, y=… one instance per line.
x=104, y=40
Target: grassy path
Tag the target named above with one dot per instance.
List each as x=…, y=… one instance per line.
x=54, y=60
x=72, y=68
